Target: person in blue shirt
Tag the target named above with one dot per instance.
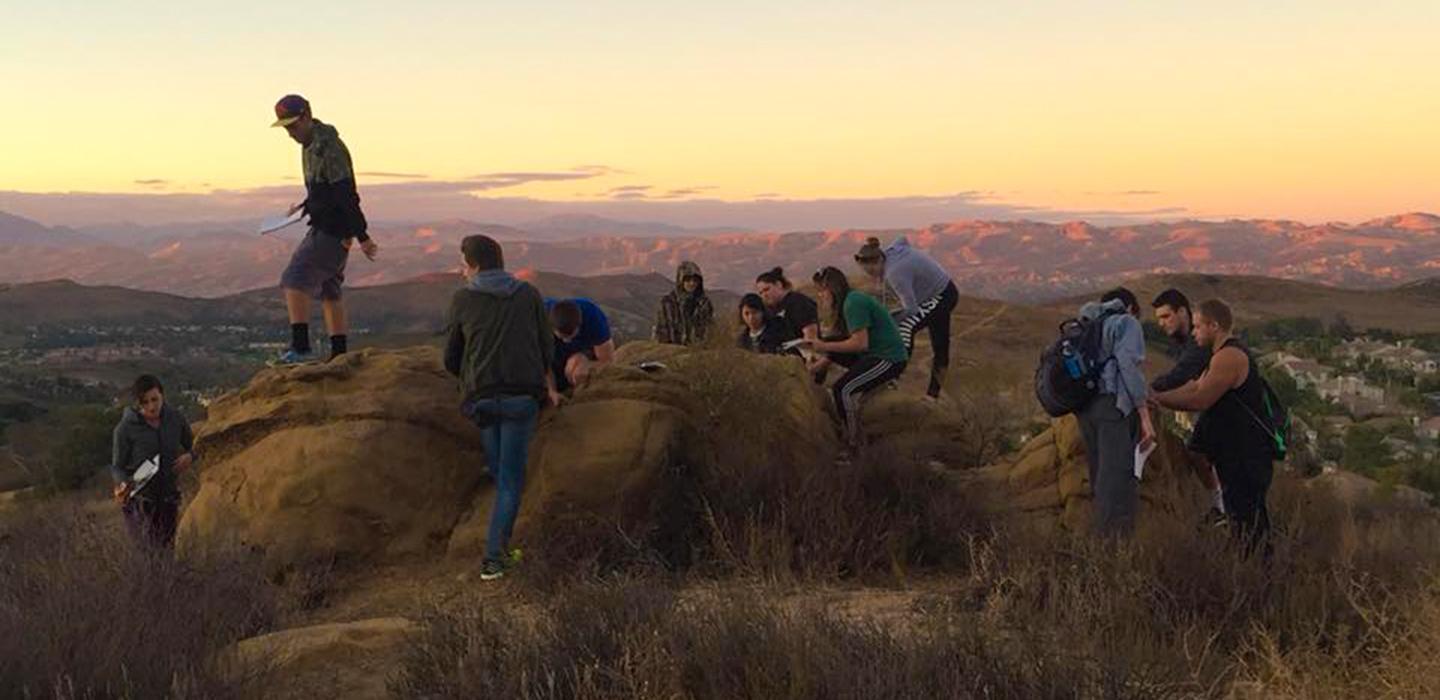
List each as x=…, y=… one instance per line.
x=583, y=343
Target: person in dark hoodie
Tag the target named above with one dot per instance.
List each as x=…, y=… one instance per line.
x=759, y=331
x=150, y=430
x=927, y=296
x=685, y=313
x=317, y=268
x=500, y=346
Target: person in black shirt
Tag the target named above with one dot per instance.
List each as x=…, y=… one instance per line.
x=1230, y=396
x=798, y=314
x=1172, y=313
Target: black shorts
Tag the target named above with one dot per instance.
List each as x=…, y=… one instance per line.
x=317, y=267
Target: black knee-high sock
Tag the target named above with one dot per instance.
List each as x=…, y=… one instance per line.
x=300, y=337
x=338, y=345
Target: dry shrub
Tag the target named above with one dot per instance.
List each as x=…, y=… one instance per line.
x=84, y=613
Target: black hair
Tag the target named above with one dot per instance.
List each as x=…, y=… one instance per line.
x=1132, y=304
x=143, y=385
x=751, y=301
x=1174, y=299
x=774, y=276
x=482, y=252
x=870, y=252
x=565, y=316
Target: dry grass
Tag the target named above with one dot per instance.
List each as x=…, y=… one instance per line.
x=85, y=614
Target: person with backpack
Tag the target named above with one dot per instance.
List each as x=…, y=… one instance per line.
x=1242, y=422
x=501, y=348
x=928, y=297
x=317, y=268
x=1104, y=350
x=759, y=332
x=150, y=431
x=685, y=313
x=1175, y=318
x=870, y=335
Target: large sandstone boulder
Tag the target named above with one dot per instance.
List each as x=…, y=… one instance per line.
x=352, y=660
x=366, y=457
x=1048, y=481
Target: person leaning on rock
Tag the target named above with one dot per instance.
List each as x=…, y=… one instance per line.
x=500, y=346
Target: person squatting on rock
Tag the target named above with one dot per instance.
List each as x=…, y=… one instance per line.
x=1230, y=398
x=1117, y=419
x=501, y=347
x=317, y=267
x=150, y=431
x=759, y=331
x=928, y=297
x=583, y=343
x=872, y=349
x=685, y=313
x=797, y=315
x=1173, y=314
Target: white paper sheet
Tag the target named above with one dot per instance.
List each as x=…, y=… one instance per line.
x=271, y=224
x=144, y=473
x=1141, y=456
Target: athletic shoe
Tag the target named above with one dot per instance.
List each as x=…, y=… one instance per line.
x=293, y=357
x=492, y=570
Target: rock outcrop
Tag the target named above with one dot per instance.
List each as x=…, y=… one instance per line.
x=1048, y=481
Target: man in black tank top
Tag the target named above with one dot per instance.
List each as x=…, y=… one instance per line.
x=1230, y=397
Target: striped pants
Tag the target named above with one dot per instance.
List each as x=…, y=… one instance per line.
x=867, y=374
x=934, y=313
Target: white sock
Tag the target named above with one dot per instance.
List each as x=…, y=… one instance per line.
x=1219, y=497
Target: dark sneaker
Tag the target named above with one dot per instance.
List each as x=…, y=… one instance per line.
x=492, y=570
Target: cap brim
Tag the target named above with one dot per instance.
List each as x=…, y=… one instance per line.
x=287, y=121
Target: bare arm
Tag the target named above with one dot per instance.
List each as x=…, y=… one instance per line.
x=1228, y=369
x=605, y=352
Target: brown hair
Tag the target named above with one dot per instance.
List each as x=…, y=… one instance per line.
x=143, y=384
x=835, y=281
x=1217, y=311
x=870, y=252
x=482, y=252
x=565, y=317
x=774, y=276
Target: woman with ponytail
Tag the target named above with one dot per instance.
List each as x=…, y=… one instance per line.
x=927, y=294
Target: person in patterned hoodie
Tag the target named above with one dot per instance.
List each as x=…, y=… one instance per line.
x=332, y=204
x=685, y=313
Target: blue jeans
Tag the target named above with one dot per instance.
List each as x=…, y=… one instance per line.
x=506, y=426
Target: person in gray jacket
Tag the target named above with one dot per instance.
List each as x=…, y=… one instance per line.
x=501, y=347
x=927, y=297
x=151, y=430
x=1117, y=419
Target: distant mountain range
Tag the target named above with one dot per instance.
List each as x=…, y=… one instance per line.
x=1016, y=260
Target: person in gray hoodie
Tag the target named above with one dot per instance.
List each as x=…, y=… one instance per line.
x=927, y=297
x=1117, y=420
x=501, y=346
x=150, y=430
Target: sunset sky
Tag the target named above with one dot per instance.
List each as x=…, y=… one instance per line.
x=1311, y=110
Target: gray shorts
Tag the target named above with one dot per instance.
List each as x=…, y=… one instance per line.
x=318, y=266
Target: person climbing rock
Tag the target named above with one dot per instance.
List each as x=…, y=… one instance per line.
x=500, y=346
x=928, y=297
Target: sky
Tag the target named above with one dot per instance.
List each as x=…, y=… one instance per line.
x=1314, y=110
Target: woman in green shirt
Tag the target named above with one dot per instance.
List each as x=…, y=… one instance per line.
x=871, y=333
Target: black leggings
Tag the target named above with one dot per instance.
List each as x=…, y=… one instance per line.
x=1245, y=483
x=865, y=375
x=934, y=314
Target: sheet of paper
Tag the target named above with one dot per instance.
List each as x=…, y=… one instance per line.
x=1141, y=456
x=144, y=473
x=792, y=344
x=271, y=224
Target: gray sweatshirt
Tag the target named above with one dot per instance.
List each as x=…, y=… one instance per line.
x=136, y=442
x=915, y=276
x=1124, y=340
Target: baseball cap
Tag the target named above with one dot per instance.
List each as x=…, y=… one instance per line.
x=289, y=109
